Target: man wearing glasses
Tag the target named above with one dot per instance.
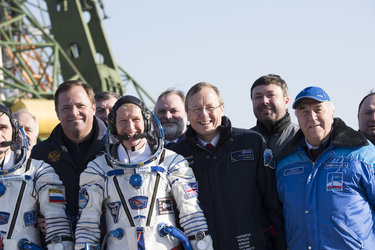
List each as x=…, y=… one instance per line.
x=236, y=185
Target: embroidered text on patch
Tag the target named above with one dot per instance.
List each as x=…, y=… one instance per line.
x=293, y=171
x=56, y=195
x=335, y=181
x=191, y=189
x=336, y=165
x=242, y=155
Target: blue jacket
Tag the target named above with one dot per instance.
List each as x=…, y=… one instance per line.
x=329, y=204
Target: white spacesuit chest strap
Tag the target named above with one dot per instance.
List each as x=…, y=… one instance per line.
x=18, y=203
x=122, y=198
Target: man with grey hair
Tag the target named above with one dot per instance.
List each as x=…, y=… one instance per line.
x=170, y=110
x=30, y=126
x=325, y=180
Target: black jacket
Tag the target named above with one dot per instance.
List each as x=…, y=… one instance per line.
x=279, y=135
x=236, y=190
x=55, y=152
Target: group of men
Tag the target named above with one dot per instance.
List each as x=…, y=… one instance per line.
x=275, y=186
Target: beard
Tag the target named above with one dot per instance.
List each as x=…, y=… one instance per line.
x=173, y=128
x=265, y=113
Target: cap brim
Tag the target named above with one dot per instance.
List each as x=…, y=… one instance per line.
x=297, y=101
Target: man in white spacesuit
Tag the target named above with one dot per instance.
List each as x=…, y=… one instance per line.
x=28, y=187
x=139, y=183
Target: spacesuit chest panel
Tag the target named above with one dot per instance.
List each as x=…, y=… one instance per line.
x=138, y=200
x=26, y=217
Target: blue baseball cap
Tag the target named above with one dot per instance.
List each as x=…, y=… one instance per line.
x=314, y=93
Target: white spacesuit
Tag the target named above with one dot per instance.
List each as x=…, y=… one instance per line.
x=139, y=197
x=29, y=187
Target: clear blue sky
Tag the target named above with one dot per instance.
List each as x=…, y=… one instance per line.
x=326, y=43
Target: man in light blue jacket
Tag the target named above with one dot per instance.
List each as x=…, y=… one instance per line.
x=325, y=180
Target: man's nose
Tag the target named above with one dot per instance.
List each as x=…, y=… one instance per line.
x=372, y=116
x=168, y=115
x=265, y=100
x=75, y=110
x=311, y=115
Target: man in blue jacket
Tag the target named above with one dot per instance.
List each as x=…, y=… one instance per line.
x=325, y=180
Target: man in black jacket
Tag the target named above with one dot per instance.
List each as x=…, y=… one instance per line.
x=269, y=95
x=170, y=110
x=236, y=189
x=77, y=140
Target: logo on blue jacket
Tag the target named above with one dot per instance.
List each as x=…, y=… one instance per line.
x=335, y=181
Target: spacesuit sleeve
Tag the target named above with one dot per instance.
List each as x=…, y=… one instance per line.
x=185, y=191
x=51, y=197
x=91, y=196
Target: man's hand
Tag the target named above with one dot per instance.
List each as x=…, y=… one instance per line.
x=42, y=224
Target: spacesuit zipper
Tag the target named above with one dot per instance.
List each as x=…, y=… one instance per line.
x=18, y=203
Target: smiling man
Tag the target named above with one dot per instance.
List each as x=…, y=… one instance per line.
x=269, y=95
x=138, y=181
x=78, y=139
x=236, y=190
x=325, y=180
x=170, y=110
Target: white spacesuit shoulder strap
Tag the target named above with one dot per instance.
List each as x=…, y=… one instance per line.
x=148, y=221
x=18, y=203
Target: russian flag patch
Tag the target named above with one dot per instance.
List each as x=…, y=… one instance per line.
x=56, y=195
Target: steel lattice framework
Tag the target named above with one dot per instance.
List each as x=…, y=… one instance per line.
x=35, y=56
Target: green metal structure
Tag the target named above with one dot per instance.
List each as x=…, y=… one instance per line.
x=43, y=43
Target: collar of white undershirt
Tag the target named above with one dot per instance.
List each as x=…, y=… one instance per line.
x=8, y=161
x=309, y=146
x=136, y=156
x=213, y=141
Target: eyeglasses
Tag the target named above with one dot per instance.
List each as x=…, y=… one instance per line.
x=209, y=109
